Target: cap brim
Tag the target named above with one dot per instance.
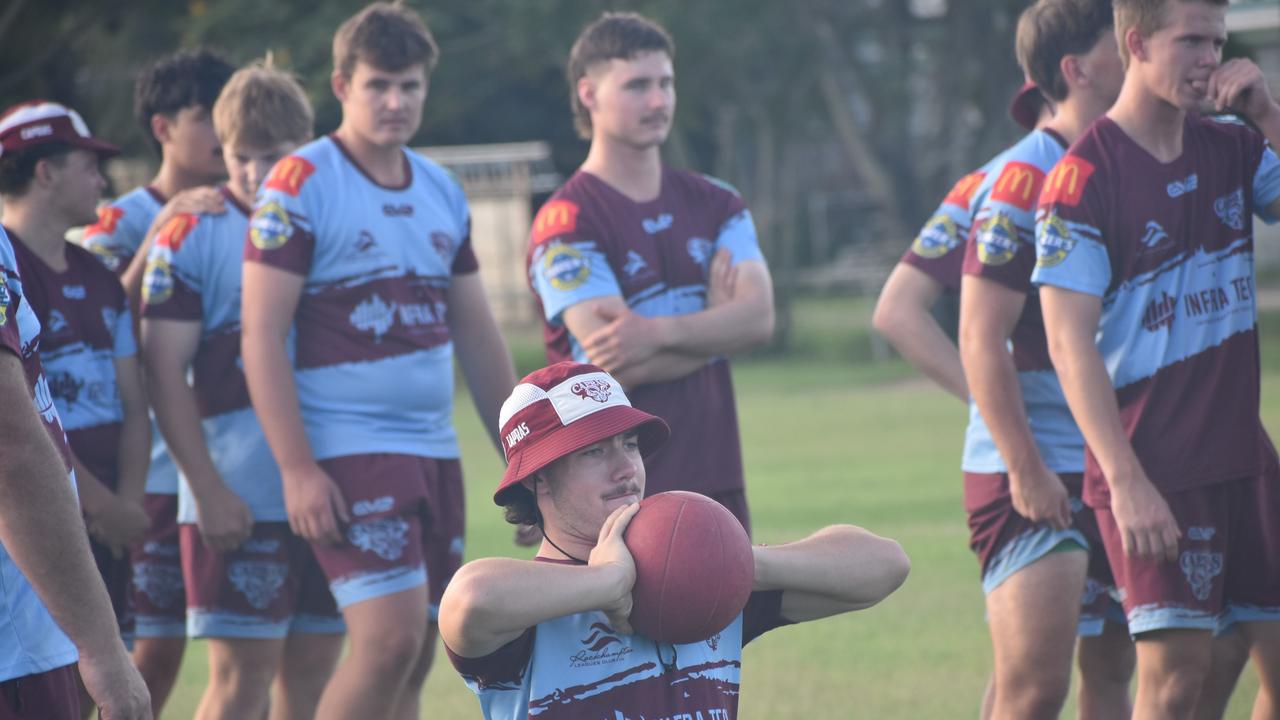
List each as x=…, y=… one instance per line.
x=103, y=149
x=1025, y=107
x=603, y=424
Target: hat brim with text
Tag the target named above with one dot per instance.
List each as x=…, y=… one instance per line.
x=562, y=408
x=42, y=122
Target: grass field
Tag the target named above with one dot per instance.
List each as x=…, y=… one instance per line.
x=826, y=440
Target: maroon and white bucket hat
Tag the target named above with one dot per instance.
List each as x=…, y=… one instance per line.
x=39, y=122
x=562, y=408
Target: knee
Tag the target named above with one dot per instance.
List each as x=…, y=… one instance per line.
x=1177, y=689
x=1029, y=694
x=1107, y=666
x=391, y=649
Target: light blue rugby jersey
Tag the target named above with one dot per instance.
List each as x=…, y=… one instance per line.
x=1001, y=248
x=195, y=277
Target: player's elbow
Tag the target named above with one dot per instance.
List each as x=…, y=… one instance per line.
x=760, y=332
x=465, y=611
x=876, y=567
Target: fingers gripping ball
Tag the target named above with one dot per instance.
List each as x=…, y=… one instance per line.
x=694, y=567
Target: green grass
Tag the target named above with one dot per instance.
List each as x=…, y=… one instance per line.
x=826, y=439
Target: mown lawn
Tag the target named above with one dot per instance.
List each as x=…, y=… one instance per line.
x=829, y=437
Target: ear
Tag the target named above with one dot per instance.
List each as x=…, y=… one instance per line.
x=340, y=84
x=1072, y=71
x=161, y=128
x=587, y=92
x=42, y=174
x=1136, y=45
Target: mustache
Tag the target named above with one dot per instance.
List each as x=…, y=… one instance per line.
x=626, y=489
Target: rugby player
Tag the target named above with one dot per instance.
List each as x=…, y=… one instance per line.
x=172, y=101
x=51, y=183
x=364, y=248
x=254, y=589
x=1023, y=454
x=649, y=272
x=514, y=628
x=1145, y=262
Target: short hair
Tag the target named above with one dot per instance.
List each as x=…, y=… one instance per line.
x=614, y=36
x=1147, y=16
x=188, y=78
x=387, y=36
x=18, y=169
x=262, y=107
x=1050, y=30
x=519, y=506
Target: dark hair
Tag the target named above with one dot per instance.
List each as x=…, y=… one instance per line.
x=615, y=36
x=1145, y=15
x=385, y=35
x=18, y=169
x=1050, y=30
x=187, y=78
x=520, y=507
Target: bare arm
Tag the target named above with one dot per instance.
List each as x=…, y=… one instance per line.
x=904, y=316
x=586, y=318
x=40, y=529
x=169, y=347
x=482, y=353
x=838, y=569
x=1147, y=527
x=492, y=601
x=269, y=299
x=195, y=200
x=988, y=313
x=135, y=436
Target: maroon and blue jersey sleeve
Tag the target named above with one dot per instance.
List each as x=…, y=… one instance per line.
x=280, y=231
x=938, y=250
x=567, y=261
x=171, y=287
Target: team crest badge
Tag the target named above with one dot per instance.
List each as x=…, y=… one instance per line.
x=939, y=237
x=157, y=283
x=565, y=267
x=1230, y=209
x=258, y=581
x=105, y=256
x=161, y=584
x=997, y=240
x=270, y=228
x=384, y=537
x=1053, y=242
x=593, y=389
x=443, y=244
x=1201, y=568
x=5, y=299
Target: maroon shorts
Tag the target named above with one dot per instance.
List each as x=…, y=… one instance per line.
x=1228, y=566
x=736, y=501
x=1006, y=542
x=159, y=600
x=50, y=695
x=407, y=523
x=268, y=587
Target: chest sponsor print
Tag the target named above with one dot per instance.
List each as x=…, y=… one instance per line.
x=1178, y=188
x=961, y=193
x=74, y=292
x=997, y=240
x=601, y=646
x=938, y=237
x=108, y=220
x=1153, y=235
x=565, y=267
x=289, y=175
x=270, y=228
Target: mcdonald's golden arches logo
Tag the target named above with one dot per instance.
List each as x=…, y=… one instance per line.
x=1018, y=185
x=557, y=217
x=289, y=174
x=1066, y=181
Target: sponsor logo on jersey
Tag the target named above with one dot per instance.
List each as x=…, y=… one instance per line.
x=1154, y=234
x=270, y=228
x=401, y=210
x=1201, y=568
x=44, y=401
x=1230, y=209
x=65, y=387
x=376, y=505
x=997, y=240
x=653, y=226
x=1178, y=188
x=289, y=175
x=57, y=322
x=1203, y=533
x=1160, y=313
x=517, y=434
x=375, y=315
x=1018, y=185
x=635, y=264
x=1065, y=182
x=961, y=194
x=6, y=298
x=1053, y=242
x=443, y=244
x=106, y=256
x=176, y=231
x=557, y=217
x=565, y=267
x=713, y=642
x=157, y=283
x=938, y=237
x=108, y=218
x=601, y=646
x=74, y=292
x=598, y=390
x=700, y=250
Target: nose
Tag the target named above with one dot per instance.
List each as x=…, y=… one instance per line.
x=395, y=98
x=624, y=465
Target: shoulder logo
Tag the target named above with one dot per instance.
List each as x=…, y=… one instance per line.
x=270, y=228
x=1066, y=181
x=108, y=218
x=6, y=299
x=938, y=237
x=997, y=240
x=157, y=282
x=1178, y=188
x=1018, y=185
x=1053, y=242
x=176, y=231
x=557, y=217
x=289, y=175
x=565, y=267
x=961, y=193
x=1230, y=209
x=594, y=389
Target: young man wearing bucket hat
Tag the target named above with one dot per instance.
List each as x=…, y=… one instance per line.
x=527, y=635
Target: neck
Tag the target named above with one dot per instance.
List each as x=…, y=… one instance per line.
x=1152, y=123
x=384, y=164
x=634, y=172
x=1073, y=118
x=564, y=547
x=40, y=229
x=172, y=179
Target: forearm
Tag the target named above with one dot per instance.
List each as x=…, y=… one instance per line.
x=89, y=489
x=663, y=367
x=840, y=563
x=135, y=454
x=274, y=395
x=1093, y=403
x=741, y=324
x=993, y=380
x=178, y=416
x=490, y=602
x=490, y=374
x=916, y=335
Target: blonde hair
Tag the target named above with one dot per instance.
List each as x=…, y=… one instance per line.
x=1146, y=16
x=262, y=107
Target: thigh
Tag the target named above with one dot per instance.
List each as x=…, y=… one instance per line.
x=1033, y=614
x=159, y=596
x=314, y=612
x=50, y=695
